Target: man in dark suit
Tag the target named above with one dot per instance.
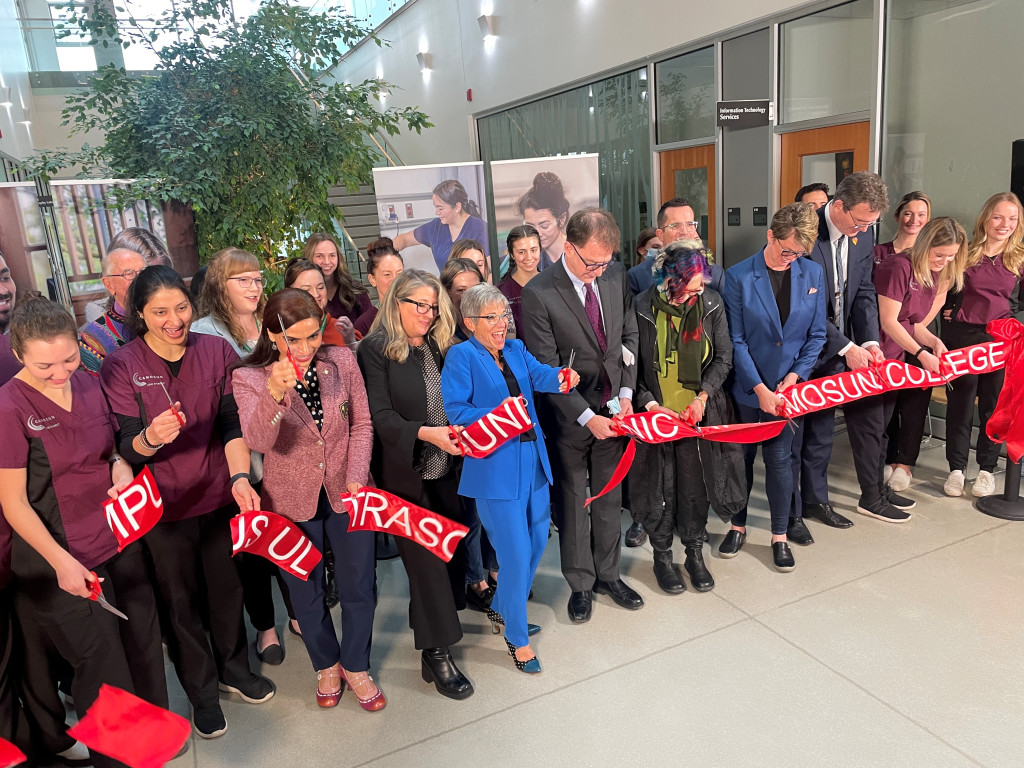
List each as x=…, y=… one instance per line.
x=843, y=249
x=583, y=304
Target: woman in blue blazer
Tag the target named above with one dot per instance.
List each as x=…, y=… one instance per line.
x=775, y=302
x=510, y=485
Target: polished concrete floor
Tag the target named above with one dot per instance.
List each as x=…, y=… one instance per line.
x=889, y=645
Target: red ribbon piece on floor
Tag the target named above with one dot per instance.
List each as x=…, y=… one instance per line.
x=277, y=539
x=371, y=509
x=126, y=728
x=486, y=435
x=1006, y=425
x=136, y=509
x=10, y=755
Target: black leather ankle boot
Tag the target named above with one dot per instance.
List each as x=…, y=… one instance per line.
x=665, y=571
x=439, y=668
x=700, y=577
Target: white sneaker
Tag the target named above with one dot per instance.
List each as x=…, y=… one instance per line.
x=899, y=480
x=985, y=485
x=887, y=473
x=954, y=485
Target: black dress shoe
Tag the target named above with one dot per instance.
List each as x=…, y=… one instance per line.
x=620, y=594
x=636, y=535
x=797, y=532
x=479, y=601
x=732, y=543
x=581, y=606
x=782, y=556
x=439, y=668
x=825, y=514
x=272, y=654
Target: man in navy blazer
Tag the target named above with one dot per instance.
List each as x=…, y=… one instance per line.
x=582, y=305
x=844, y=249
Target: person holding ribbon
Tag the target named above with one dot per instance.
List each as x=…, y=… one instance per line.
x=57, y=464
x=172, y=396
x=775, y=302
x=511, y=484
x=993, y=275
x=303, y=405
x=415, y=457
x=911, y=289
x=685, y=356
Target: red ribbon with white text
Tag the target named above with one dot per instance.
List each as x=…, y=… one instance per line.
x=136, y=509
x=277, y=539
x=485, y=435
x=371, y=509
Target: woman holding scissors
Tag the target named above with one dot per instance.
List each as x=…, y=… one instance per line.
x=171, y=394
x=57, y=466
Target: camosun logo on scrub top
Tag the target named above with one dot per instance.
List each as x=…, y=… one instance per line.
x=141, y=381
x=39, y=424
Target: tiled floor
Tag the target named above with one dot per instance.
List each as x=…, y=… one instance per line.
x=889, y=645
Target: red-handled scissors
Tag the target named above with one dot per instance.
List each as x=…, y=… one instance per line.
x=96, y=593
x=173, y=409
x=291, y=357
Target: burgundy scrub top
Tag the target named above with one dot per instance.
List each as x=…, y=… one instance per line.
x=66, y=456
x=9, y=366
x=894, y=279
x=988, y=286
x=191, y=472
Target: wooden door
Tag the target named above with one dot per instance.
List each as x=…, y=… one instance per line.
x=690, y=173
x=799, y=148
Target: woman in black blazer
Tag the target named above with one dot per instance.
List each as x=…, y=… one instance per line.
x=414, y=457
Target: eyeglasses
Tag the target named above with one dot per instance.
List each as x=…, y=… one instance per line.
x=128, y=274
x=248, y=282
x=794, y=254
x=494, y=319
x=421, y=308
x=859, y=225
x=592, y=266
x=683, y=224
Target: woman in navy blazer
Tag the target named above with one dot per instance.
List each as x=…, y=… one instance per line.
x=511, y=485
x=775, y=302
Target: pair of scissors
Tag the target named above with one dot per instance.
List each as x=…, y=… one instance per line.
x=288, y=346
x=171, y=402
x=96, y=593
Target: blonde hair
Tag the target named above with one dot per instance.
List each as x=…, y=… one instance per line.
x=389, y=318
x=944, y=230
x=214, y=300
x=1013, y=253
x=800, y=219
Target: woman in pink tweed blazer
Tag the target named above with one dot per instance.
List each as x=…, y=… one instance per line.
x=314, y=432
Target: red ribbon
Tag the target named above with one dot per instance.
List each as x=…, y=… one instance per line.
x=277, y=539
x=371, y=509
x=10, y=755
x=1006, y=424
x=126, y=728
x=486, y=435
x=136, y=509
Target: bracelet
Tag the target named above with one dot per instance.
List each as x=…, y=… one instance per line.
x=114, y=458
x=277, y=399
x=923, y=348
x=239, y=476
x=146, y=444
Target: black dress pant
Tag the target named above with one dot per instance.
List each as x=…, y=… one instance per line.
x=13, y=724
x=189, y=555
x=436, y=591
x=668, y=493
x=258, y=576
x=906, y=426
x=960, y=402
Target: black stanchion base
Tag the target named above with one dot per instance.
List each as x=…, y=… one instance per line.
x=997, y=506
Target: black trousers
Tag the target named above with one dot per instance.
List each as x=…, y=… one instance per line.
x=668, y=493
x=436, y=591
x=960, y=402
x=589, y=539
x=13, y=724
x=258, y=576
x=189, y=556
x=812, y=446
x=906, y=426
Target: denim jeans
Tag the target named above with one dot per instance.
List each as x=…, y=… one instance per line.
x=778, y=466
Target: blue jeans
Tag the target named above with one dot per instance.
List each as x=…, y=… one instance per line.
x=778, y=466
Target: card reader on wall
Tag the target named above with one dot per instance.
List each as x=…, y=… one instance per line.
x=760, y=216
x=733, y=218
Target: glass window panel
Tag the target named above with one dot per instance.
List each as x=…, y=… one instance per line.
x=610, y=117
x=686, y=96
x=826, y=63
x=959, y=157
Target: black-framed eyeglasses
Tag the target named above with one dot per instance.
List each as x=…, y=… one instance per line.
x=592, y=266
x=794, y=254
x=128, y=274
x=248, y=282
x=494, y=319
x=421, y=308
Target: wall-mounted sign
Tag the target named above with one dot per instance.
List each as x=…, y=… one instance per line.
x=745, y=114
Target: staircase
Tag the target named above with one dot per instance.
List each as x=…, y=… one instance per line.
x=359, y=227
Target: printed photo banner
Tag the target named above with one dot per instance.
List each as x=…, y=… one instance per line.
x=371, y=509
x=277, y=539
x=136, y=510
x=484, y=436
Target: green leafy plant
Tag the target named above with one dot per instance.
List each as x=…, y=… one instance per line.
x=238, y=119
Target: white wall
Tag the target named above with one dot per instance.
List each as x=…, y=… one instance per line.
x=16, y=139
x=540, y=45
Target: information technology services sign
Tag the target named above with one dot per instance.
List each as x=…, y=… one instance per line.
x=744, y=114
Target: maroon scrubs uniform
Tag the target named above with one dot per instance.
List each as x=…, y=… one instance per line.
x=986, y=295
x=894, y=279
x=190, y=548
x=65, y=455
